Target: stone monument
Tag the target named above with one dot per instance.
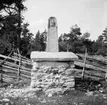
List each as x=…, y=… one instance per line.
x=52, y=71
x=52, y=36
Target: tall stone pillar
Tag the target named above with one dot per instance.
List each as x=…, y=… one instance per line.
x=52, y=36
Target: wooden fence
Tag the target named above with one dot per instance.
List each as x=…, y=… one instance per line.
x=95, y=67
x=14, y=68
x=18, y=67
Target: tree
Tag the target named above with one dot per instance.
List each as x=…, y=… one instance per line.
x=8, y=33
x=63, y=42
x=85, y=36
x=101, y=43
x=10, y=22
x=104, y=34
x=36, y=46
x=75, y=41
x=39, y=42
x=26, y=40
x=43, y=39
x=71, y=40
x=87, y=43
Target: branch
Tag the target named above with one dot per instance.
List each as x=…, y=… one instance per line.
x=8, y=11
x=10, y=7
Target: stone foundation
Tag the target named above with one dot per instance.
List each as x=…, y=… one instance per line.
x=52, y=77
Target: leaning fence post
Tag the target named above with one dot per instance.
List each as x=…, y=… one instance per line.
x=18, y=74
x=84, y=63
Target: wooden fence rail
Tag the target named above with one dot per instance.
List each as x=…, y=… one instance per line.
x=9, y=69
x=95, y=67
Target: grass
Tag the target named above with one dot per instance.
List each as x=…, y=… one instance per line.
x=73, y=97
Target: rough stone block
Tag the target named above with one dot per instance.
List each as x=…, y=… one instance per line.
x=52, y=75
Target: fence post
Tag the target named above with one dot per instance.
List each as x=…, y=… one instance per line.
x=18, y=74
x=84, y=63
x=1, y=73
x=106, y=76
x=1, y=63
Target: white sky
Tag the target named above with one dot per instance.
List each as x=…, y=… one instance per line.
x=89, y=15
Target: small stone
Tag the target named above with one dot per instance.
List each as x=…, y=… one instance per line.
x=50, y=95
x=26, y=99
x=32, y=85
x=104, y=96
x=89, y=93
x=11, y=86
x=96, y=95
x=101, y=90
x=6, y=100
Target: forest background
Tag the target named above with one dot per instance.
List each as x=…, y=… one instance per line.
x=15, y=34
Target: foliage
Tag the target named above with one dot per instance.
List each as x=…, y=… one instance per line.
x=101, y=44
x=26, y=39
x=11, y=22
x=14, y=33
x=39, y=42
x=77, y=42
x=74, y=41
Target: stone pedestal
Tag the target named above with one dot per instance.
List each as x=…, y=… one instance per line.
x=52, y=72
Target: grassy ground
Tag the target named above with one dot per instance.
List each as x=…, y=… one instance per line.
x=73, y=98
x=19, y=94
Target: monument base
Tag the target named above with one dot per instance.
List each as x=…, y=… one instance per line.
x=52, y=72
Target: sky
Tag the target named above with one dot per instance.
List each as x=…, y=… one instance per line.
x=89, y=15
